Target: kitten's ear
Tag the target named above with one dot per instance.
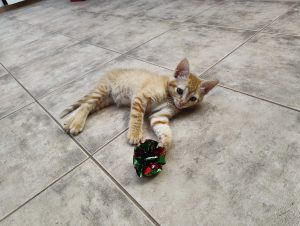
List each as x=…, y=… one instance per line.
x=207, y=86
x=183, y=69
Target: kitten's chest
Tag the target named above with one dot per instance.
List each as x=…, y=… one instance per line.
x=165, y=107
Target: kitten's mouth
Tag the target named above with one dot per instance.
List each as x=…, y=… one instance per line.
x=178, y=105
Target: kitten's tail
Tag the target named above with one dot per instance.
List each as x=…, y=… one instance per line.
x=73, y=107
x=70, y=109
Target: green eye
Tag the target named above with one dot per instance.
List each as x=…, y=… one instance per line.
x=193, y=99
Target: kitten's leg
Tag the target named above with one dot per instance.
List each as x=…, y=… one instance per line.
x=96, y=100
x=138, y=108
x=161, y=128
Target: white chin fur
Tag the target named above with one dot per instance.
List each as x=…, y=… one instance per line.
x=177, y=105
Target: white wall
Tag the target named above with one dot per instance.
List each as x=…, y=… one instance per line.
x=13, y=1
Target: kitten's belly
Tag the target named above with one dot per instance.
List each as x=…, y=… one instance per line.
x=121, y=97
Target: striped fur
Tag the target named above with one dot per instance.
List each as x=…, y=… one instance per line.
x=146, y=93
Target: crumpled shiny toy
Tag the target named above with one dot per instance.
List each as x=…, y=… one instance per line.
x=148, y=158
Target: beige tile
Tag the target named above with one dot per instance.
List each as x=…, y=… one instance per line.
x=179, y=10
x=10, y=27
x=288, y=23
x=268, y=66
x=33, y=152
x=38, y=14
x=252, y=15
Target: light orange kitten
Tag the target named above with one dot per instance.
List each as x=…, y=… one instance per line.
x=160, y=97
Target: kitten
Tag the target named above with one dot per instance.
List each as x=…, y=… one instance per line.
x=160, y=97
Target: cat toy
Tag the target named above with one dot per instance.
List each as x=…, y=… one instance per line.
x=148, y=158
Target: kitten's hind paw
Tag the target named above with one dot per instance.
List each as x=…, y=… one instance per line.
x=73, y=126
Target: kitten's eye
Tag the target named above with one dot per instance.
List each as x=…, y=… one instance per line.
x=179, y=91
x=193, y=99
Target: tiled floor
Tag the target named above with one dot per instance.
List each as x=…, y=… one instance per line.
x=235, y=159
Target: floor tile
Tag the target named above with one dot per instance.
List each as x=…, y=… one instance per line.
x=268, y=66
x=102, y=126
x=129, y=33
x=203, y=46
x=113, y=32
x=63, y=66
x=252, y=15
x=82, y=5
x=84, y=197
x=180, y=10
x=287, y=24
x=169, y=10
x=26, y=47
x=222, y=168
x=38, y=14
x=10, y=27
x=125, y=8
x=12, y=95
x=33, y=153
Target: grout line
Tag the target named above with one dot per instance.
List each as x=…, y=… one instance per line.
x=172, y=28
x=44, y=189
x=114, y=138
x=84, y=41
x=107, y=143
x=226, y=27
x=282, y=15
x=259, y=98
x=228, y=54
x=15, y=110
x=200, y=13
x=148, y=62
x=130, y=197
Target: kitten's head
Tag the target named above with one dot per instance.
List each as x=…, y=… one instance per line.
x=186, y=88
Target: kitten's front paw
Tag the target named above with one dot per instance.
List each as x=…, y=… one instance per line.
x=135, y=138
x=165, y=142
x=73, y=126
